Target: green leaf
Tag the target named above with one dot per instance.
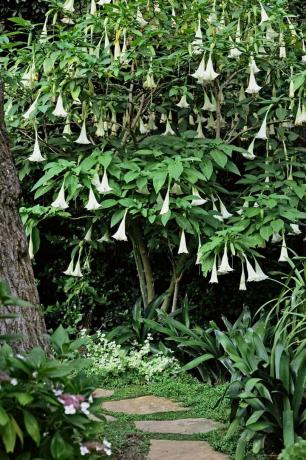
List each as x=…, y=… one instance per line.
x=159, y=180
x=175, y=169
x=59, y=448
x=60, y=337
x=219, y=157
x=196, y=362
x=32, y=426
x=207, y=168
x=266, y=232
x=9, y=437
x=288, y=428
x=4, y=418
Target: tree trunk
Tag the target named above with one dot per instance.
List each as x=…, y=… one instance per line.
x=15, y=264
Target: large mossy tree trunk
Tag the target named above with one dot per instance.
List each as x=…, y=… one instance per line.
x=15, y=264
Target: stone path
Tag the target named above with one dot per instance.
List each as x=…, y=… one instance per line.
x=160, y=448
x=182, y=450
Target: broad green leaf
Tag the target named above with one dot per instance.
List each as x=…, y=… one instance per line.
x=32, y=426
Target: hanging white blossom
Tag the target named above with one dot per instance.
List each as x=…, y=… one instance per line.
x=92, y=204
x=260, y=275
x=296, y=229
x=87, y=237
x=214, y=273
x=104, y=186
x=183, y=246
x=209, y=106
x=242, y=284
x=224, y=266
x=67, y=128
x=263, y=13
x=59, y=110
x=253, y=87
x=276, y=238
x=32, y=108
x=69, y=270
x=250, y=155
x=224, y=212
x=198, y=260
x=199, y=200
x=197, y=44
x=93, y=8
x=77, y=272
x=140, y=19
x=284, y=251
x=262, y=133
x=83, y=139
x=165, y=207
x=36, y=156
x=200, y=134
x=103, y=2
x=250, y=270
x=31, y=248
x=69, y=6
x=210, y=74
x=218, y=217
x=169, y=131
x=234, y=52
x=183, y=104
x=60, y=202
x=120, y=234
x=253, y=65
x=282, y=47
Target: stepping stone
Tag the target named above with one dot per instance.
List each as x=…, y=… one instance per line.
x=143, y=405
x=102, y=393
x=110, y=418
x=183, y=450
x=182, y=426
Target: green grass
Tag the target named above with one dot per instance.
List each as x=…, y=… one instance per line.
x=203, y=401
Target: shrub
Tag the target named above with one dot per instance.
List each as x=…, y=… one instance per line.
x=110, y=359
x=44, y=413
x=295, y=452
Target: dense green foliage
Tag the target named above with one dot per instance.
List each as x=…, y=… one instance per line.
x=295, y=452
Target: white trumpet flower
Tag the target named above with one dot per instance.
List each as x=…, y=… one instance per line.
x=252, y=276
x=262, y=133
x=234, y=52
x=284, y=251
x=218, y=217
x=183, y=104
x=69, y=6
x=199, y=200
x=31, y=109
x=120, y=234
x=140, y=19
x=183, y=246
x=165, y=207
x=103, y=2
x=59, y=110
x=224, y=212
x=36, y=156
x=83, y=139
x=143, y=128
x=253, y=87
x=304, y=51
x=69, y=270
x=197, y=44
x=211, y=75
x=60, y=202
x=260, y=275
x=276, y=238
x=264, y=16
x=31, y=248
x=92, y=204
x=105, y=238
x=77, y=269
x=87, y=237
x=250, y=155
x=93, y=8
x=169, y=131
x=117, y=50
x=242, y=285
x=200, y=134
x=214, y=273
x=282, y=47
x=67, y=128
x=198, y=261
x=104, y=186
x=296, y=229
x=224, y=266
x=253, y=65
x=209, y=106
x=200, y=73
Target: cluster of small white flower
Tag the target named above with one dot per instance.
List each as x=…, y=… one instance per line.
x=109, y=358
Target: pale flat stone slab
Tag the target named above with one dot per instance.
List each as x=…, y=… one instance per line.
x=109, y=418
x=102, y=393
x=143, y=405
x=182, y=426
x=183, y=450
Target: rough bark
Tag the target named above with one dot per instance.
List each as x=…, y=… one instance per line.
x=15, y=264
